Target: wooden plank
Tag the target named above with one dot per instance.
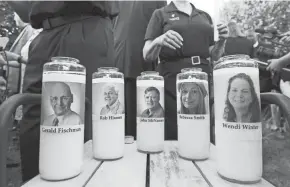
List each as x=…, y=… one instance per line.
x=129, y=171
x=90, y=165
x=209, y=169
x=167, y=169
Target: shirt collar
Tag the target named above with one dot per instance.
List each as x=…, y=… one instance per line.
x=172, y=8
x=61, y=118
x=113, y=105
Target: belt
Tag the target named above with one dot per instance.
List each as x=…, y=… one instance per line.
x=194, y=60
x=51, y=23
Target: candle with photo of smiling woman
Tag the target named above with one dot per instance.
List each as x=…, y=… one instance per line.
x=238, y=125
x=193, y=114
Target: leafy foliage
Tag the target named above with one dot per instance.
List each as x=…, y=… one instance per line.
x=256, y=13
x=8, y=27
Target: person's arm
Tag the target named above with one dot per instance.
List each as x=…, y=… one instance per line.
x=155, y=39
x=15, y=57
x=217, y=50
x=169, y=39
x=285, y=60
x=14, y=60
x=13, y=64
x=286, y=37
x=151, y=50
x=275, y=65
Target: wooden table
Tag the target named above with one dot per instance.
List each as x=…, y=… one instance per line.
x=140, y=170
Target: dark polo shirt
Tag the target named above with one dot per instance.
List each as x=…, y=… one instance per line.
x=129, y=30
x=41, y=10
x=196, y=29
x=36, y=12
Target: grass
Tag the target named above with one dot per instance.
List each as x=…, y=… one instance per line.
x=13, y=160
x=276, y=152
x=276, y=156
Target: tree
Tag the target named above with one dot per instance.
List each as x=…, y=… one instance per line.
x=8, y=27
x=257, y=13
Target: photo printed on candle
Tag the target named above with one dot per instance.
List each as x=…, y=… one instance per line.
x=193, y=119
x=62, y=124
x=108, y=118
x=238, y=127
x=108, y=98
x=61, y=103
x=241, y=102
x=112, y=101
x=237, y=103
x=150, y=102
x=192, y=98
x=150, y=115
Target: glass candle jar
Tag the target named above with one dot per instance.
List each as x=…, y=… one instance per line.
x=238, y=119
x=193, y=114
x=62, y=119
x=108, y=114
x=150, y=112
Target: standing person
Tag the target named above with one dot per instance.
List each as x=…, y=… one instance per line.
x=14, y=77
x=129, y=30
x=78, y=29
x=181, y=36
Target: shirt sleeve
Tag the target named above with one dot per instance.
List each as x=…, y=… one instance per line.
x=154, y=28
x=211, y=35
x=160, y=4
x=211, y=38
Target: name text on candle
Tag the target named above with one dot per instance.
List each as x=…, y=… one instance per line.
x=110, y=117
x=60, y=130
x=240, y=126
x=151, y=120
x=196, y=117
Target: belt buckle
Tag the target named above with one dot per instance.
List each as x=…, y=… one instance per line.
x=195, y=60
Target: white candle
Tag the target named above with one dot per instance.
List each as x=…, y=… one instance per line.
x=194, y=138
x=62, y=125
x=150, y=115
x=193, y=118
x=108, y=118
x=238, y=124
x=61, y=151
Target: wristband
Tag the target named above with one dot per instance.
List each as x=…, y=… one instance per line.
x=19, y=59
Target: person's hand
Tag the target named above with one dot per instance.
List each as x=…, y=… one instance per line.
x=13, y=63
x=2, y=60
x=275, y=65
x=285, y=37
x=171, y=39
x=11, y=56
x=223, y=31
